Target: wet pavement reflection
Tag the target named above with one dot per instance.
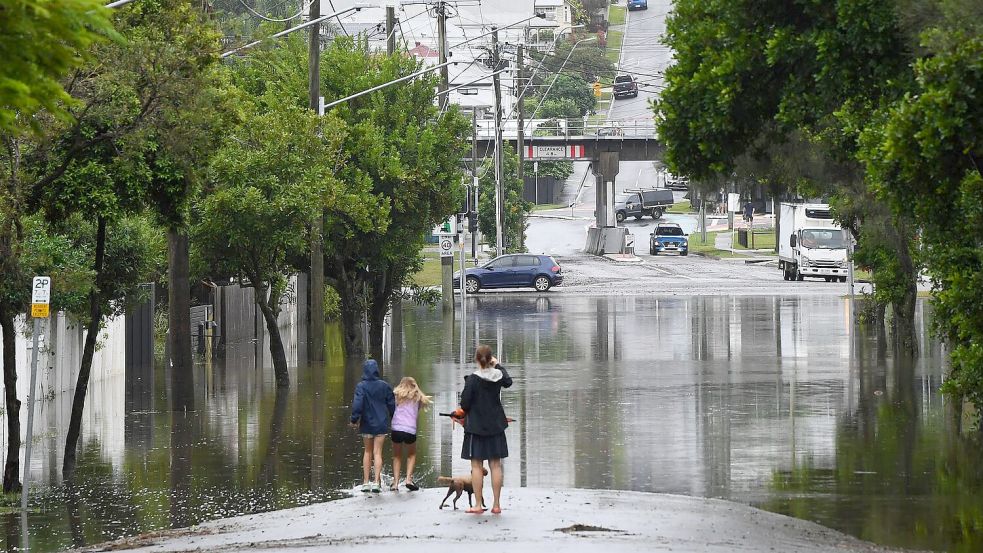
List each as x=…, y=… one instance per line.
x=768, y=401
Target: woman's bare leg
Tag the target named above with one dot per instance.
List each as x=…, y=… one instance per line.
x=377, y=447
x=366, y=459
x=477, y=481
x=397, y=464
x=495, y=468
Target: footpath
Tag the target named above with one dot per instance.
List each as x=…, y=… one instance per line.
x=567, y=520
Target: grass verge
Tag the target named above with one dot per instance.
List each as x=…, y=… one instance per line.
x=617, y=15
x=698, y=246
x=681, y=207
x=544, y=207
x=429, y=274
x=613, y=52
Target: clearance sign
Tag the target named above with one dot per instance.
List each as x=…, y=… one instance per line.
x=566, y=151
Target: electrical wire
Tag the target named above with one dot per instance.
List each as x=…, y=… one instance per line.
x=340, y=24
x=272, y=20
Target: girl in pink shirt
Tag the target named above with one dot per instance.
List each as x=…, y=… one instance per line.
x=409, y=399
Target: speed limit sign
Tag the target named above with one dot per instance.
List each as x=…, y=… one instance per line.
x=446, y=245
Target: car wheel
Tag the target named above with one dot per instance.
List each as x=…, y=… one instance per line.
x=472, y=285
x=656, y=213
x=620, y=216
x=798, y=276
x=684, y=254
x=541, y=284
x=842, y=279
x=655, y=252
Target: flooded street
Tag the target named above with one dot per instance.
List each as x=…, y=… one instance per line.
x=767, y=401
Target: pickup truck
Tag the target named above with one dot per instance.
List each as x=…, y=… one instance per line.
x=641, y=202
x=625, y=85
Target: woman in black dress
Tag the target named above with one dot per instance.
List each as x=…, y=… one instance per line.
x=484, y=427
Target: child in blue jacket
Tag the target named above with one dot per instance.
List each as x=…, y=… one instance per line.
x=372, y=408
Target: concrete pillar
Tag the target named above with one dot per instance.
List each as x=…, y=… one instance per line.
x=605, y=169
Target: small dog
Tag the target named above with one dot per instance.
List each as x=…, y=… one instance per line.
x=459, y=484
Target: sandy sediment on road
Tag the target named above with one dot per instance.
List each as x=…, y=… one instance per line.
x=533, y=519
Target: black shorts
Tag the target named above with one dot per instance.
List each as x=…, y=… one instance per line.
x=403, y=437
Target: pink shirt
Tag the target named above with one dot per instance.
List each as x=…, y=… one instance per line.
x=404, y=419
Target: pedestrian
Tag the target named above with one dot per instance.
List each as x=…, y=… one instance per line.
x=485, y=424
x=409, y=399
x=749, y=212
x=372, y=408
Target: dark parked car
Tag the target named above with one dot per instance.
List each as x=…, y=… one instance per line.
x=522, y=270
x=668, y=237
x=625, y=85
x=638, y=5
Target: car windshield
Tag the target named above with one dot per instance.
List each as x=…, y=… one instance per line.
x=823, y=239
x=670, y=231
x=623, y=198
x=622, y=79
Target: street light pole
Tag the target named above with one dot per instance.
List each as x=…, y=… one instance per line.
x=442, y=49
x=499, y=157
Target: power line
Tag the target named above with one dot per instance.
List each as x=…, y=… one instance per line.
x=272, y=20
x=340, y=24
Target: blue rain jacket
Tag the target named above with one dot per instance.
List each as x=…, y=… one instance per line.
x=374, y=402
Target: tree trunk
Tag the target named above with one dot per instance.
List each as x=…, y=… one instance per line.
x=351, y=315
x=270, y=308
x=903, y=311
x=179, y=321
x=89, y=349
x=381, y=302
x=11, y=469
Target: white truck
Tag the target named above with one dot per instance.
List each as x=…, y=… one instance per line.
x=811, y=244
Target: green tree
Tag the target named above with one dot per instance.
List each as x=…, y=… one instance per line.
x=29, y=247
x=566, y=87
x=588, y=61
x=516, y=209
x=410, y=152
x=269, y=181
x=926, y=157
x=750, y=72
x=42, y=40
x=103, y=161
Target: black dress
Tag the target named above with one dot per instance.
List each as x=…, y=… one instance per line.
x=484, y=428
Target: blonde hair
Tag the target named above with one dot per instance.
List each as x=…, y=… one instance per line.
x=409, y=390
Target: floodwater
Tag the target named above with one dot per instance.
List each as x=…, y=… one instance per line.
x=767, y=401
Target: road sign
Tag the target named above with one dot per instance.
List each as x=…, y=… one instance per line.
x=565, y=151
x=41, y=290
x=40, y=296
x=446, y=245
x=734, y=202
x=629, y=241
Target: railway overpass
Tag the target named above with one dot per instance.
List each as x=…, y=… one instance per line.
x=603, y=143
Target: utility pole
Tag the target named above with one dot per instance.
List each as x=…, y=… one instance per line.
x=315, y=306
x=473, y=201
x=442, y=48
x=520, y=137
x=499, y=154
x=390, y=30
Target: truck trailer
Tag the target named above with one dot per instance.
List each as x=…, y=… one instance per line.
x=811, y=243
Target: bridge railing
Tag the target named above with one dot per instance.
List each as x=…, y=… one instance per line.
x=571, y=128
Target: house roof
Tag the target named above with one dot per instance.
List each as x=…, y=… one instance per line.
x=424, y=51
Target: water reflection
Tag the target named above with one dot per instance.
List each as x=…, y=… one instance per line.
x=769, y=401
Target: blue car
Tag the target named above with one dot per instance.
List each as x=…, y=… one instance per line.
x=521, y=270
x=668, y=237
x=638, y=5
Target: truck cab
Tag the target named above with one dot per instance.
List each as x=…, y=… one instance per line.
x=642, y=202
x=811, y=244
